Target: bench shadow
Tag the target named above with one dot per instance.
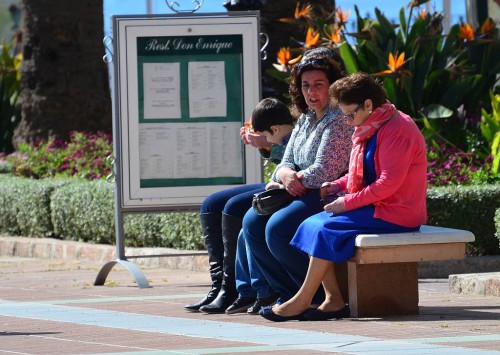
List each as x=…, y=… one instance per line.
x=452, y=313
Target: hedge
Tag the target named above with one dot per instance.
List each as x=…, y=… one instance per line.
x=25, y=206
x=468, y=207
x=81, y=210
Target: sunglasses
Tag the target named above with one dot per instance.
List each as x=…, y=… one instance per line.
x=312, y=62
x=350, y=116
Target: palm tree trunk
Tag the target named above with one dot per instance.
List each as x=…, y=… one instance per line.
x=64, y=82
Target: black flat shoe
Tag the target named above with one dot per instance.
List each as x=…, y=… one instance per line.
x=240, y=305
x=267, y=312
x=262, y=302
x=317, y=315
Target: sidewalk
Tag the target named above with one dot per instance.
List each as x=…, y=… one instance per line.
x=50, y=306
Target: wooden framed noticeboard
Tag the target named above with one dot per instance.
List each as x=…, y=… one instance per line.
x=184, y=85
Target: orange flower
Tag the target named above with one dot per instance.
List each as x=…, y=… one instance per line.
x=249, y=127
x=284, y=55
x=423, y=14
x=466, y=32
x=342, y=16
x=304, y=12
x=488, y=26
x=284, y=59
x=395, y=65
x=312, y=38
x=333, y=33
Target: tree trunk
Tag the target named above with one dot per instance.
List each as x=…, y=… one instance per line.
x=64, y=82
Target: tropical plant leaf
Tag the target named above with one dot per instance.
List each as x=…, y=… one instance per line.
x=349, y=58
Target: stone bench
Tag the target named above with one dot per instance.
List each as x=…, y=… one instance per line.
x=382, y=277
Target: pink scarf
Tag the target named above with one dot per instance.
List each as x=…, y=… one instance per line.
x=360, y=137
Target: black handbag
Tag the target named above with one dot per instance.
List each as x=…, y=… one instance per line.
x=267, y=202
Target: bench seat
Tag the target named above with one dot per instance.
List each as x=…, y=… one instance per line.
x=382, y=277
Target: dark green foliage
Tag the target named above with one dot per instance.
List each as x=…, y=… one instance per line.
x=25, y=206
x=467, y=207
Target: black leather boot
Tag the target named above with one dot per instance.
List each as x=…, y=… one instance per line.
x=211, y=225
x=231, y=227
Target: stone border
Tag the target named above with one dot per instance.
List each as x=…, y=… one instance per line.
x=48, y=248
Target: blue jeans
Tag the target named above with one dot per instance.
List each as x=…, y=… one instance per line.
x=268, y=240
x=236, y=202
x=249, y=279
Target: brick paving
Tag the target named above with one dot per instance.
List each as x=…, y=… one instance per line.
x=50, y=306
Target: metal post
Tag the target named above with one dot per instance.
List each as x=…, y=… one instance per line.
x=447, y=16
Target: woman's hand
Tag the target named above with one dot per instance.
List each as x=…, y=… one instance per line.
x=329, y=188
x=291, y=181
x=273, y=185
x=337, y=206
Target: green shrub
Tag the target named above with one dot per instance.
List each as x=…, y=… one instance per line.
x=180, y=230
x=467, y=207
x=8, y=209
x=84, y=211
x=25, y=206
x=5, y=167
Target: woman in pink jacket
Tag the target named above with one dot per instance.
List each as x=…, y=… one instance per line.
x=386, y=193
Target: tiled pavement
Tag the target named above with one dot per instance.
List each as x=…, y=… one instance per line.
x=51, y=307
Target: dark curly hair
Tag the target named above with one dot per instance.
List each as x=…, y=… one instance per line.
x=323, y=59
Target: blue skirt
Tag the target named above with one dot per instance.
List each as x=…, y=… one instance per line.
x=331, y=237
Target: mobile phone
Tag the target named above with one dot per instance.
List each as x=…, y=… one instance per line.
x=328, y=199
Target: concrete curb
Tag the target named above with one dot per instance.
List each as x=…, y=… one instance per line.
x=47, y=248
x=476, y=284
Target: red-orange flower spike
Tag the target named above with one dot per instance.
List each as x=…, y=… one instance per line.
x=334, y=34
x=423, y=14
x=304, y=12
x=284, y=59
x=342, y=16
x=395, y=64
x=284, y=55
x=488, y=26
x=466, y=32
x=312, y=38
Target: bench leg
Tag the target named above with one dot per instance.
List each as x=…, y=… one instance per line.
x=383, y=289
